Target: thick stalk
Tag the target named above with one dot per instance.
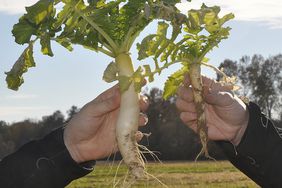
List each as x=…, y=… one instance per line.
x=197, y=85
x=127, y=124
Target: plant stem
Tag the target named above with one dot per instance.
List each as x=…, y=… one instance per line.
x=130, y=36
x=103, y=50
x=100, y=30
x=215, y=69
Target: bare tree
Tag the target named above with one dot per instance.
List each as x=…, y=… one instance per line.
x=261, y=79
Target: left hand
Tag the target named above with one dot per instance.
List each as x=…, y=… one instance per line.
x=91, y=133
x=226, y=115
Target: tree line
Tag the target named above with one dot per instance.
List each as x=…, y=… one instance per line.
x=169, y=138
x=260, y=79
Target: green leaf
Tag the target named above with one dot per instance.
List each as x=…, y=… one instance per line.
x=104, y=16
x=14, y=77
x=173, y=82
x=46, y=45
x=191, y=48
x=40, y=11
x=145, y=49
x=167, y=52
x=171, y=2
x=63, y=15
x=72, y=21
x=37, y=20
x=124, y=83
x=162, y=28
x=97, y=3
x=110, y=74
x=158, y=44
x=226, y=18
x=194, y=26
x=131, y=21
x=167, y=11
x=138, y=78
x=148, y=11
x=149, y=73
x=23, y=31
x=65, y=43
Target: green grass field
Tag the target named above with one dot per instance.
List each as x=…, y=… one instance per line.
x=178, y=174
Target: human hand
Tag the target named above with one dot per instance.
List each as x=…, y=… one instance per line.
x=91, y=133
x=226, y=115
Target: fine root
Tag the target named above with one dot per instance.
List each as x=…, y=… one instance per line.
x=128, y=180
x=151, y=153
x=114, y=181
x=155, y=178
x=113, y=162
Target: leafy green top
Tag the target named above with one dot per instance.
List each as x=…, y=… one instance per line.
x=203, y=31
x=106, y=26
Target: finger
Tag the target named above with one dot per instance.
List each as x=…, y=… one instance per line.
x=208, y=82
x=144, y=103
x=108, y=93
x=192, y=125
x=143, y=119
x=144, y=82
x=213, y=85
x=211, y=97
x=139, y=135
x=185, y=93
x=188, y=116
x=184, y=106
x=216, y=86
x=222, y=98
x=187, y=81
x=105, y=106
x=205, y=80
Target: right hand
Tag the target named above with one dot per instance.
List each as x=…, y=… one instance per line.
x=91, y=133
x=226, y=115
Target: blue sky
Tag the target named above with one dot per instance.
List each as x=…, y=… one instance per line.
x=75, y=78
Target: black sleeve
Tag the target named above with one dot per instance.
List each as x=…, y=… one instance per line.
x=45, y=163
x=259, y=154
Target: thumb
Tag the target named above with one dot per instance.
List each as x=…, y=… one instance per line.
x=107, y=105
x=110, y=104
x=219, y=98
x=209, y=97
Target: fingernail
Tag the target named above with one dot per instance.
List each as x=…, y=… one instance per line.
x=145, y=99
x=145, y=118
x=139, y=135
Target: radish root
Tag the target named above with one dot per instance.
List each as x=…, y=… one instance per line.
x=127, y=124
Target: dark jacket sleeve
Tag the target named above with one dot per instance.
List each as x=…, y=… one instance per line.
x=259, y=154
x=44, y=163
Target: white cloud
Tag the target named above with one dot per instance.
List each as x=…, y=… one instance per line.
x=15, y=6
x=19, y=110
x=267, y=12
x=22, y=96
x=18, y=113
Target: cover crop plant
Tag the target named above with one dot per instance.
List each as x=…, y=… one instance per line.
x=110, y=27
x=203, y=30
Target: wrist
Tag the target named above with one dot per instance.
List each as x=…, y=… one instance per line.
x=53, y=149
x=72, y=148
x=241, y=131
